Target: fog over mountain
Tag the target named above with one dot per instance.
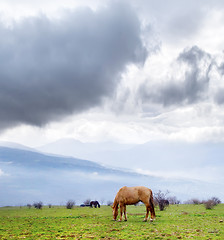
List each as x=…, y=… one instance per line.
x=27, y=176
x=202, y=161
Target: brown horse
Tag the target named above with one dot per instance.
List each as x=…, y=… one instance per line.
x=130, y=196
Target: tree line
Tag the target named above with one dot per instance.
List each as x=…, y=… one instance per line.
x=161, y=199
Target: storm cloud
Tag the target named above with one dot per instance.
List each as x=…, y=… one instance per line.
x=51, y=68
x=189, y=87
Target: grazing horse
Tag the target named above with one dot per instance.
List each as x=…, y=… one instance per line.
x=130, y=196
x=95, y=204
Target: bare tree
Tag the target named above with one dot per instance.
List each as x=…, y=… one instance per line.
x=70, y=204
x=29, y=205
x=196, y=201
x=173, y=200
x=210, y=203
x=161, y=200
x=216, y=200
x=87, y=201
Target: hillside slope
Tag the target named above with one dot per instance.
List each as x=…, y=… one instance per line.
x=27, y=176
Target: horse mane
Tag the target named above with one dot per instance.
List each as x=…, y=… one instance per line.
x=115, y=203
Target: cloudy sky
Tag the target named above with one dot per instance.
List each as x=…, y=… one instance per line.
x=123, y=71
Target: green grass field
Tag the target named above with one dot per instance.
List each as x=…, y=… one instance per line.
x=176, y=222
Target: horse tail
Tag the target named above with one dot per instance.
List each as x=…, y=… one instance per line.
x=152, y=204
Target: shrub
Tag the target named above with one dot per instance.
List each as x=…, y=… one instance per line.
x=29, y=205
x=193, y=201
x=38, y=205
x=87, y=201
x=161, y=200
x=173, y=200
x=210, y=203
x=196, y=201
x=70, y=204
x=216, y=200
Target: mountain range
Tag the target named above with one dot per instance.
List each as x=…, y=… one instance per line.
x=28, y=175
x=202, y=161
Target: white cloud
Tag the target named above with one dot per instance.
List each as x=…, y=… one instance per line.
x=199, y=122
x=3, y=174
x=124, y=117
x=18, y=10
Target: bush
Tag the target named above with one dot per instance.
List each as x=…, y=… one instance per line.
x=161, y=200
x=29, y=205
x=87, y=201
x=193, y=201
x=196, y=201
x=210, y=203
x=216, y=200
x=38, y=205
x=173, y=200
x=70, y=204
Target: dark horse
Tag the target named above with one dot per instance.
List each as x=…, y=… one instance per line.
x=95, y=204
x=130, y=196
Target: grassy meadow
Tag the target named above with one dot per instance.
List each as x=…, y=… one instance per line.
x=176, y=222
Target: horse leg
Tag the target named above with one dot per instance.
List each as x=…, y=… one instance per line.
x=125, y=214
x=149, y=208
x=151, y=212
x=147, y=213
x=121, y=211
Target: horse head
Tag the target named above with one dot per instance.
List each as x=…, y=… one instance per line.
x=115, y=211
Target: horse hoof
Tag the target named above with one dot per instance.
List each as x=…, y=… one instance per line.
x=125, y=220
x=145, y=220
x=151, y=220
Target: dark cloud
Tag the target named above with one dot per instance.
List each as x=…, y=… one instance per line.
x=52, y=68
x=219, y=97
x=190, y=89
x=177, y=21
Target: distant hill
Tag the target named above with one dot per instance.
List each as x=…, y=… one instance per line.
x=15, y=146
x=202, y=161
x=38, y=161
x=75, y=148
x=27, y=176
